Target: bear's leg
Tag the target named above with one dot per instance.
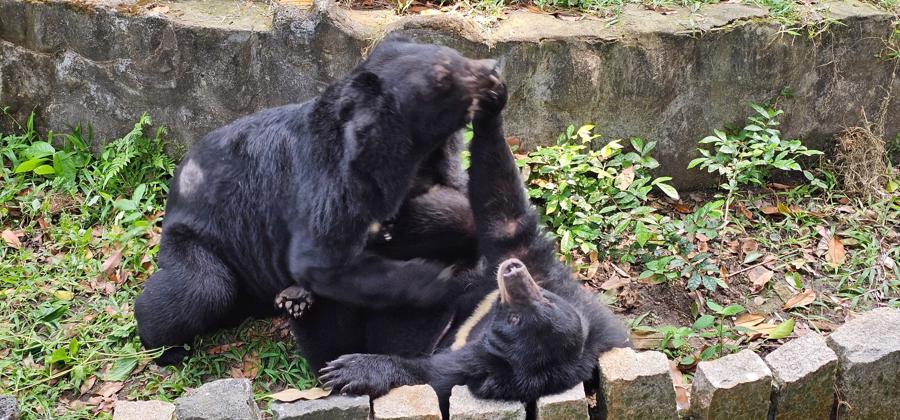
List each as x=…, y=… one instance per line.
x=435, y=225
x=191, y=295
x=374, y=374
x=372, y=281
x=329, y=329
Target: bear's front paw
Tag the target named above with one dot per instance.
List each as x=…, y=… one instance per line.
x=359, y=374
x=294, y=300
x=380, y=233
x=493, y=99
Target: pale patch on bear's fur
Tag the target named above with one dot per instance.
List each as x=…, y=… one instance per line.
x=462, y=335
x=191, y=178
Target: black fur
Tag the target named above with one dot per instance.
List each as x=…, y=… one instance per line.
x=286, y=196
x=534, y=341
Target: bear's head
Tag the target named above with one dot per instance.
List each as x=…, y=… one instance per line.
x=434, y=90
x=539, y=336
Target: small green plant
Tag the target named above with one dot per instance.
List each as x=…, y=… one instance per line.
x=747, y=156
x=720, y=330
x=593, y=197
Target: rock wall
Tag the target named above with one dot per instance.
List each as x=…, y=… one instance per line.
x=195, y=65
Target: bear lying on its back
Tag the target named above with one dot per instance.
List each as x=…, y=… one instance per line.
x=522, y=326
x=286, y=196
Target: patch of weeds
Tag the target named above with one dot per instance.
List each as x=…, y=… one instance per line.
x=719, y=330
x=79, y=237
x=747, y=156
x=590, y=198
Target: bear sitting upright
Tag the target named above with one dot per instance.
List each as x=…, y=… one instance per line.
x=285, y=197
x=522, y=326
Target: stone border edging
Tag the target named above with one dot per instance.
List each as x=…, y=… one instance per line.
x=797, y=381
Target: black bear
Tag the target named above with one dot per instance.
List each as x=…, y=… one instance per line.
x=286, y=196
x=521, y=327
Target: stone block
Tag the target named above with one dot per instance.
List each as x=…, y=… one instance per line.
x=868, y=350
x=144, y=410
x=636, y=385
x=734, y=387
x=465, y=406
x=9, y=408
x=224, y=399
x=418, y=402
x=567, y=405
x=332, y=408
x=803, y=370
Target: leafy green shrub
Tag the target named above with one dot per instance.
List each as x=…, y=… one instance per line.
x=122, y=183
x=590, y=198
x=748, y=156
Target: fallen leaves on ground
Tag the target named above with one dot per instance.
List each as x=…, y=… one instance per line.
x=291, y=394
x=836, y=254
x=12, y=238
x=248, y=368
x=801, y=299
x=682, y=398
x=113, y=261
x=761, y=329
x=614, y=282
x=109, y=389
x=759, y=277
x=222, y=348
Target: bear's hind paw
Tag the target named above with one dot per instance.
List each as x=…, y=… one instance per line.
x=294, y=300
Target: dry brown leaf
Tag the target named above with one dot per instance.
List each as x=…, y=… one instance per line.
x=614, y=282
x=781, y=187
x=222, y=348
x=749, y=245
x=87, y=385
x=12, y=238
x=836, y=254
x=823, y=325
x=109, y=389
x=770, y=210
x=250, y=365
x=749, y=320
x=682, y=401
x=683, y=208
x=801, y=299
x=759, y=277
x=291, y=394
x=625, y=178
x=112, y=262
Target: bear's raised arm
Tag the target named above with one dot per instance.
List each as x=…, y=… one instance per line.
x=506, y=224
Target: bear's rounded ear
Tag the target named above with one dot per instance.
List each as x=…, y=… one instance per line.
x=360, y=91
x=441, y=76
x=366, y=84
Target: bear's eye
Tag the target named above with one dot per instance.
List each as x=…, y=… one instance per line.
x=513, y=318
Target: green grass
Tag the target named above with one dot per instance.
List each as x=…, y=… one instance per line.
x=68, y=345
